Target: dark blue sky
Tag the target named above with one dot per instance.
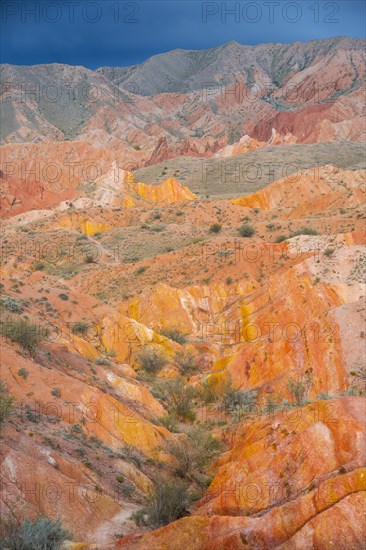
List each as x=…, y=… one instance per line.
x=119, y=33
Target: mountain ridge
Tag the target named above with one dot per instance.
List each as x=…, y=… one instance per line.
x=209, y=98
x=242, y=47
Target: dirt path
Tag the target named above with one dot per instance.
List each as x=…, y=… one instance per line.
x=120, y=524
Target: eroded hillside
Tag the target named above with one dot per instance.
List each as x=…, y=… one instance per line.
x=193, y=102
x=138, y=318
x=183, y=301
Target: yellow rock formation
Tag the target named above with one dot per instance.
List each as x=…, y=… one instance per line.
x=169, y=191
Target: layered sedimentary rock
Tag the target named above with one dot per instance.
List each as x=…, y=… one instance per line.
x=332, y=187
x=259, y=297
x=271, y=490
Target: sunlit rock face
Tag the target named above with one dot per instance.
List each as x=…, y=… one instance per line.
x=337, y=188
x=271, y=490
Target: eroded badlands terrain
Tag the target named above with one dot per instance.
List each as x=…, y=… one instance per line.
x=183, y=357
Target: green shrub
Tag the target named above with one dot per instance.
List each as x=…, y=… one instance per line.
x=215, y=228
x=304, y=231
x=6, y=403
x=324, y=396
x=186, y=361
x=239, y=403
x=132, y=454
x=212, y=389
x=24, y=333
x=169, y=422
x=80, y=327
x=151, y=360
x=23, y=373
x=63, y=296
x=352, y=391
x=126, y=488
x=158, y=228
x=102, y=361
x=31, y=416
x=299, y=388
x=56, y=392
x=174, y=334
x=328, y=252
x=246, y=230
x=207, y=391
x=140, y=270
x=11, y=304
x=360, y=371
x=39, y=266
x=194, y=453
x=166, y=503
x=271, y=406
x=139, y=517
x=179, y=397
x=228, y=280
x=77, y=428
x=280, y=238
x=40, y=534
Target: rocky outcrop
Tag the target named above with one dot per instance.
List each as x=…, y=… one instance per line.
x=189, y=148
x=111, y=185
x=169, y=191
x=245, y=144
x=271, y=491
x=161, y=152
x=332, y=187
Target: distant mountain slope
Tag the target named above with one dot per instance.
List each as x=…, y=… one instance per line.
x=185, y=71
x=197, y=102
